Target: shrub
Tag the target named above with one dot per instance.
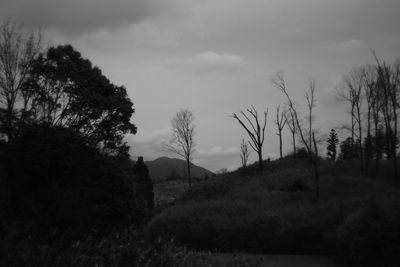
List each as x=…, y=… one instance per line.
x=371, y=235
x=57, y=181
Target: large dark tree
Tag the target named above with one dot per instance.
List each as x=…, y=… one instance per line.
x=65, y=89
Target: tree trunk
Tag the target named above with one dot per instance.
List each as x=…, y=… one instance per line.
x=188, y=171
x=294, y=145
x=260, y=161
x=315, y=164
x=280, y=144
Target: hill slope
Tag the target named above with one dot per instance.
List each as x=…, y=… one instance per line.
x=276, y=212
x=162, y=167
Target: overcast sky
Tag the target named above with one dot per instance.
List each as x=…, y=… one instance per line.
x=216, y=57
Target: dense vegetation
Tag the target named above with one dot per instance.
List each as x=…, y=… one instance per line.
x=356, y=219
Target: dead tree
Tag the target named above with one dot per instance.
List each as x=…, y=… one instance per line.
x=280, y=123
x=244, y=153
x=353, y=83
x=291, y=123
x=182, y=142
x=255, y=131
x=17, y=51
x=311, y=147
x=372, y=97
x=389, y=82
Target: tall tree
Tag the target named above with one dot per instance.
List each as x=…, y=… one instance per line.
x=244, y=153
x=311, y=146
x=65, y=89
x=292, y=127
x=332, y=144
x=353, y=84
x=280, y=123
x=144, y=183
x=182, y=139
x=389, y=82
x=255, y=131
x=17, y=51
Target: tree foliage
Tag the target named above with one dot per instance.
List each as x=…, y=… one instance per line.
x=64, y=89
x=144, y=183
x=332, y=144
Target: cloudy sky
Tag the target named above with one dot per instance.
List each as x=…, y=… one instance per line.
x=216, y=57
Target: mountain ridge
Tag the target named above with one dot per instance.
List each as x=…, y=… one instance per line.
x=164, y=168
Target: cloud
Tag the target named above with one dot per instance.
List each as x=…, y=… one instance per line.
x=208, y=62
x=77, y=17
x=347, y=45
x=150, y=147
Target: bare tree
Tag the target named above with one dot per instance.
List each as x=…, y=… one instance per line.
x=389, y=82
x=182, y=142
x=354, y=83
x=244, y=153
x=280, y=123
x=292, y=127
x=372, y=98
x=311, y=146
x=254, y=130
x=17, y=51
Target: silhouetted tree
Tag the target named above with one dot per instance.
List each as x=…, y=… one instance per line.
x=65, y=90
x=17, y=51
x=244, y=153
x=182, y=139
x=389, y=83
x=332, y=143
x=280, y=123
x=353, y=85
x=311, y=145
x=292, y=127
x=144, y=182
x=349, y=149
x=255, y=131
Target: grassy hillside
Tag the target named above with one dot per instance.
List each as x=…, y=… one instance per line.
x=175, y=168
x=276, y=212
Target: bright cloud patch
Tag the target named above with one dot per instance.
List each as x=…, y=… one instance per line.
x=208, y=62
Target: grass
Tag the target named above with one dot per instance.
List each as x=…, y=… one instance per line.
x=276, y=213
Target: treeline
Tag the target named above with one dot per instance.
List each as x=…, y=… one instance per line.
x=64, y=165
x=371, y=93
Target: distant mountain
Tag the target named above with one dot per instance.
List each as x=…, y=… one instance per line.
x=165, y=168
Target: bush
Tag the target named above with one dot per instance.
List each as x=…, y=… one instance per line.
x=371, y=235
x=56, y=181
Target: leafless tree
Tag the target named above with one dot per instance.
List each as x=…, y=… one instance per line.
x=389, y=82
x=372, y=98
x=353, y=84
x=291, y=123
x=311, y=146
x=244, y=152
x=280, y=123
x=255, y=131
x=182, y=142
x=17, y=51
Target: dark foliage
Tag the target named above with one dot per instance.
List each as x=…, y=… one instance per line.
x=144, y=183
x=332, y=143
x=56, y=181
x=64, y=89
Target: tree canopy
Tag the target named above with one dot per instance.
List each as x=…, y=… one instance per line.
x=64, y=89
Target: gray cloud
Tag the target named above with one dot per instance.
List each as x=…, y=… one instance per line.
x=207, y=62
x=76, y=17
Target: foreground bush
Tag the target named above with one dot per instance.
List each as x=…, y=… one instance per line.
x=55, y=181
